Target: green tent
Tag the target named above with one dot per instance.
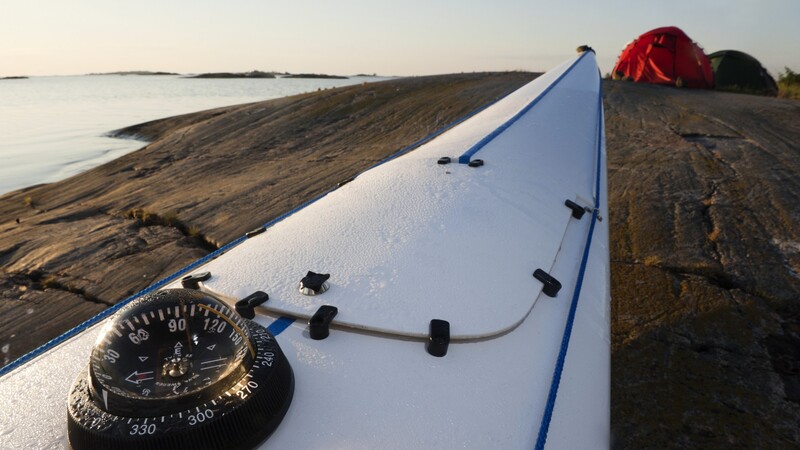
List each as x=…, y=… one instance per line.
x=738, y=71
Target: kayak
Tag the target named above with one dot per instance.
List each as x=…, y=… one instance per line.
x=454, y=296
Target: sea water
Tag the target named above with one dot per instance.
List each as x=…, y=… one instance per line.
x=54, y=127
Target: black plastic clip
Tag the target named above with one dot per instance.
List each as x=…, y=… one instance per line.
x=246, y=306
x=577, y=210
x=314, y=283
x=444, y=160
x=551, y=285
x=255, y=232
x=193, y=281
x=475, y=163
x=319, y=323
x=343, y=182
x=438, y=338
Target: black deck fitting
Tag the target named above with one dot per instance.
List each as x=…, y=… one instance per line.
x=438, y=338
x=193, y=281
x=444, y=160
x=255, y=232
x=343, y=182
x=319, y=323
x=246, y=306
x=475, y=163
x=315, y=282
x=577, y=210
x=551, y=285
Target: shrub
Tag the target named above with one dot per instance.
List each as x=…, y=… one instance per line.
x=789, y=77
x=789, y=84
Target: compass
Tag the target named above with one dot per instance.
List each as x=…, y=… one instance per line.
x=179, y=369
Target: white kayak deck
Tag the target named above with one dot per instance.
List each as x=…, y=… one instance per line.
x=412, y=240
x=407, y=242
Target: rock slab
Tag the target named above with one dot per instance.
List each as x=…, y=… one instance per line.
x=72, y=248
x=705, y=250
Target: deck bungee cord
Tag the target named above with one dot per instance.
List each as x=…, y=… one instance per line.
x=562, y=354
x=466, y=156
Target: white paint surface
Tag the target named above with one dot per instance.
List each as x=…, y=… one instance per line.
x=412, y=240
x=372, y=390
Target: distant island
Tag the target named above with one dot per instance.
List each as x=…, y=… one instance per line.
x=260, y=74
x=316, y=75
x=253, y=74
x=135, y=72
x=13, y=78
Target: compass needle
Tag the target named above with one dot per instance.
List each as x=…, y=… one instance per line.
x=188, y=327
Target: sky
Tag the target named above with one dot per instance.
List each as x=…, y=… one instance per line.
x=411, y=37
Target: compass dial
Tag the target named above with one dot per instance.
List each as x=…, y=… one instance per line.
x=180, y=363
x=171, y=347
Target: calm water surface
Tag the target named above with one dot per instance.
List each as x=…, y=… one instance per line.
x=53, y=127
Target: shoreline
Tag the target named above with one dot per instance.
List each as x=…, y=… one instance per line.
x=55, y=124
x=71, y=248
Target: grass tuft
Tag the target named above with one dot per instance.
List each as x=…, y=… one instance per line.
x=789, y=84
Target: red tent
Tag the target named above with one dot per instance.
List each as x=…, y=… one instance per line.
x=665, y=56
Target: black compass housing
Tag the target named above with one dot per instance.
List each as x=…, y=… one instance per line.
x=180, y=369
